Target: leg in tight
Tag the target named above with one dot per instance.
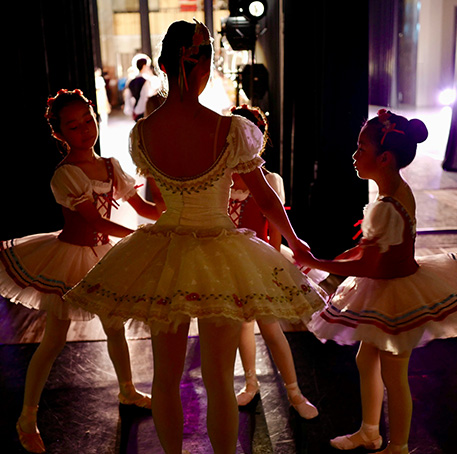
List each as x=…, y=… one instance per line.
x=169, y=353
x=282, y=356
x=118, y=351
x=372, y=393
x=394, y=370
x=218, y=345
x=247, y=350
x=54, y=339
x=279, y=348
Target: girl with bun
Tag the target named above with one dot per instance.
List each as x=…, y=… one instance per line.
x=393, y=302
x=194, y=263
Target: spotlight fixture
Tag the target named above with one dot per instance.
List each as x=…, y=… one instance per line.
x=253, y=10
x=240, y=32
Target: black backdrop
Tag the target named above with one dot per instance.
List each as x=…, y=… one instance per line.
x=48, y=46
x=326, y=102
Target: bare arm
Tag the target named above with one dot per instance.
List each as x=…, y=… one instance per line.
x=272, y=207
x=363, y=261
x=145, y=208
x=100, y=224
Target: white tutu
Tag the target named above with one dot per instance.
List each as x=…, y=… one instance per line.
x=37, y=270
x=394, y=314
x=218, y=274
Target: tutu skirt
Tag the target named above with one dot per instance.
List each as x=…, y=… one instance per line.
x=395, y=315
x=37, y=270
x=164, y=277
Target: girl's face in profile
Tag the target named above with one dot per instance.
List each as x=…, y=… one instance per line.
x=78, y=126
x=366, y=156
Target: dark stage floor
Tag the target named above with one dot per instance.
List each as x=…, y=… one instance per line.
x=79, y=413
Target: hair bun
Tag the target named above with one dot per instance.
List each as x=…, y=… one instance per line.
x=417, y=130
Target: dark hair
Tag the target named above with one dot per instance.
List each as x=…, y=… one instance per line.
x=180, y=34
x=140, y=63
x=397, y=134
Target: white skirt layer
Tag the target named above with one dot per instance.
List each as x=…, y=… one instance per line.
x=37, y=270
x=395, y=315
x=165, y=277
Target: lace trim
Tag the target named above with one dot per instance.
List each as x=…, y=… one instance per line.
x=196, y=183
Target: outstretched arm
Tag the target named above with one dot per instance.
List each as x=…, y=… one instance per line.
x=363, y=261
x=272, y=207
x=100, y=224
x=145, y=208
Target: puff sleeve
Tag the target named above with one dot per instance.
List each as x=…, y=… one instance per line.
x=135, y=152
x=245, y=141
x=383, y=224
x=123, y=184
x=71, y=186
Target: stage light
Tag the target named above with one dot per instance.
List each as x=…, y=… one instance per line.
x=240, y=32
x=447, y=97
x=252, y=9
x=257, y=9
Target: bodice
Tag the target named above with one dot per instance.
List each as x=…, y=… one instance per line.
x=201, y=201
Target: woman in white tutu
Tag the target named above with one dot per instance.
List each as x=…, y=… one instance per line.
x=193, y=262
x=37, y=270
x=394, y=303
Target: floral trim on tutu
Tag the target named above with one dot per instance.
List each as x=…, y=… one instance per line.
x=171, y=280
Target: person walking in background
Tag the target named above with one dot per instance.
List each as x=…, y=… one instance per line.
x=142, y=87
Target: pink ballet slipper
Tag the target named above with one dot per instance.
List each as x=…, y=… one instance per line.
x=31, y=442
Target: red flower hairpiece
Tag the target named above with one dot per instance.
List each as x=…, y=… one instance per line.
x=383, y=116
x=63, y=91
x=201, y=37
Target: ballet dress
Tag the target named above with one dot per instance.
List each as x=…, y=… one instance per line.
x=193, y=262
x=414, y=300
x=37, y=270
x=245, y=213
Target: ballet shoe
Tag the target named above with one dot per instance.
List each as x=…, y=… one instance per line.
x=344, y=442
x=304, y=408
x=245, y=397
x=31, y=442
x=140, y=400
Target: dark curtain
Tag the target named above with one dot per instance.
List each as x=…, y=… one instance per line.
x=450, y=159
x=326, y=103
x=383, y=32
x=50, y=47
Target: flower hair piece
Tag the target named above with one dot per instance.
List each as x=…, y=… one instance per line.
x=201, y=37
x=258, y=118
x=384, y=116
x=50, y=115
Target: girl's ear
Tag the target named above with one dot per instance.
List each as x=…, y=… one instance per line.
x=386, y=158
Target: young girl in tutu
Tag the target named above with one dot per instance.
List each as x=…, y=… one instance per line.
x=38, y=269
x=245, y=213
x=193, y=262
x=394, y=302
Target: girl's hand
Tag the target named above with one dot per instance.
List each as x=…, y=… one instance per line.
x=302, y=254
